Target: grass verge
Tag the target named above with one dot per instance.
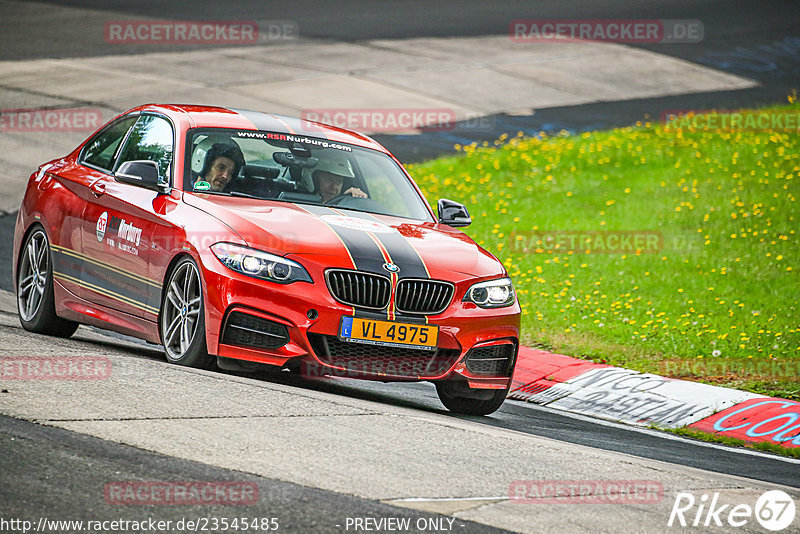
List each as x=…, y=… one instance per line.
x=666, y=248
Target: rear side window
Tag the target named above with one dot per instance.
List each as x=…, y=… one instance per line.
x=150, y=139
x=100, y=150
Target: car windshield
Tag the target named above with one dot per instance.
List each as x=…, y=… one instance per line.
x=299, y=169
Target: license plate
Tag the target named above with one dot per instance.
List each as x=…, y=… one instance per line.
x=388, y=333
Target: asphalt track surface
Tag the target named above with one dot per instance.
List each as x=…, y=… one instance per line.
x=541, y=421
x=756, y=40
x=51, y=471
x=58, y=474
x=728, y=24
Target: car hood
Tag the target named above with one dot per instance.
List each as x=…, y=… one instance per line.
x=349, y=239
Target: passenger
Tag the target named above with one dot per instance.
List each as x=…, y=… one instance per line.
x=222, y=163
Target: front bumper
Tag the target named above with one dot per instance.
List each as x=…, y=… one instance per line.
x=472, y=344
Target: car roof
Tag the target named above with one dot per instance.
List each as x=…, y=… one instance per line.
x=222, y=117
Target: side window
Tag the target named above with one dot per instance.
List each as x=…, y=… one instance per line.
x=150, y=139
x=100, y=150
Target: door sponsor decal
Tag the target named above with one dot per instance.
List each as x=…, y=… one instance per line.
x=129, y=235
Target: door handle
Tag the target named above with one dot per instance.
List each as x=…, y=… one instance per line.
x=98, y=188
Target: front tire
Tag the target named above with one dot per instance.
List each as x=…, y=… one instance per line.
x=460, y=398
x=182, y=319
x=35, y=297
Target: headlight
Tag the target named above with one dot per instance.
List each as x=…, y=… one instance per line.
x=492, y=294
x=260, y=264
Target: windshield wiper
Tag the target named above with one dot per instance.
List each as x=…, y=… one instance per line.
x=241, y=194
x=229, y=194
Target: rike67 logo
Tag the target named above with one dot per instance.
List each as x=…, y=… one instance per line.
x=774, y=510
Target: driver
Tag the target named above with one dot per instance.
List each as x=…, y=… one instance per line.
x=329, y=178
x=223, y=161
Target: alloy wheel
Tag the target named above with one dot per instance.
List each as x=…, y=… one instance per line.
x=33, y=272
x=181, y=313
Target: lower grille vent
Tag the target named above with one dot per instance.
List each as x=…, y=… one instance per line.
x=250, y=331
x=491, y=360
x=362, y=359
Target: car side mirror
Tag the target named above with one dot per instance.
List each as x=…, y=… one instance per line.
x=143, y=173
x=453, y=214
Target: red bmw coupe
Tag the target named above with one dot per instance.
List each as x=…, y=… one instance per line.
x=232, y=236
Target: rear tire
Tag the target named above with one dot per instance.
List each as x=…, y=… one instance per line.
x=182, y=319
x=35, y=297
x=460, y=398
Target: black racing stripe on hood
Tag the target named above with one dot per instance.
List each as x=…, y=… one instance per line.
x=279, y=123
x=365, y=253
x=402, y=253
x=260, y=120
